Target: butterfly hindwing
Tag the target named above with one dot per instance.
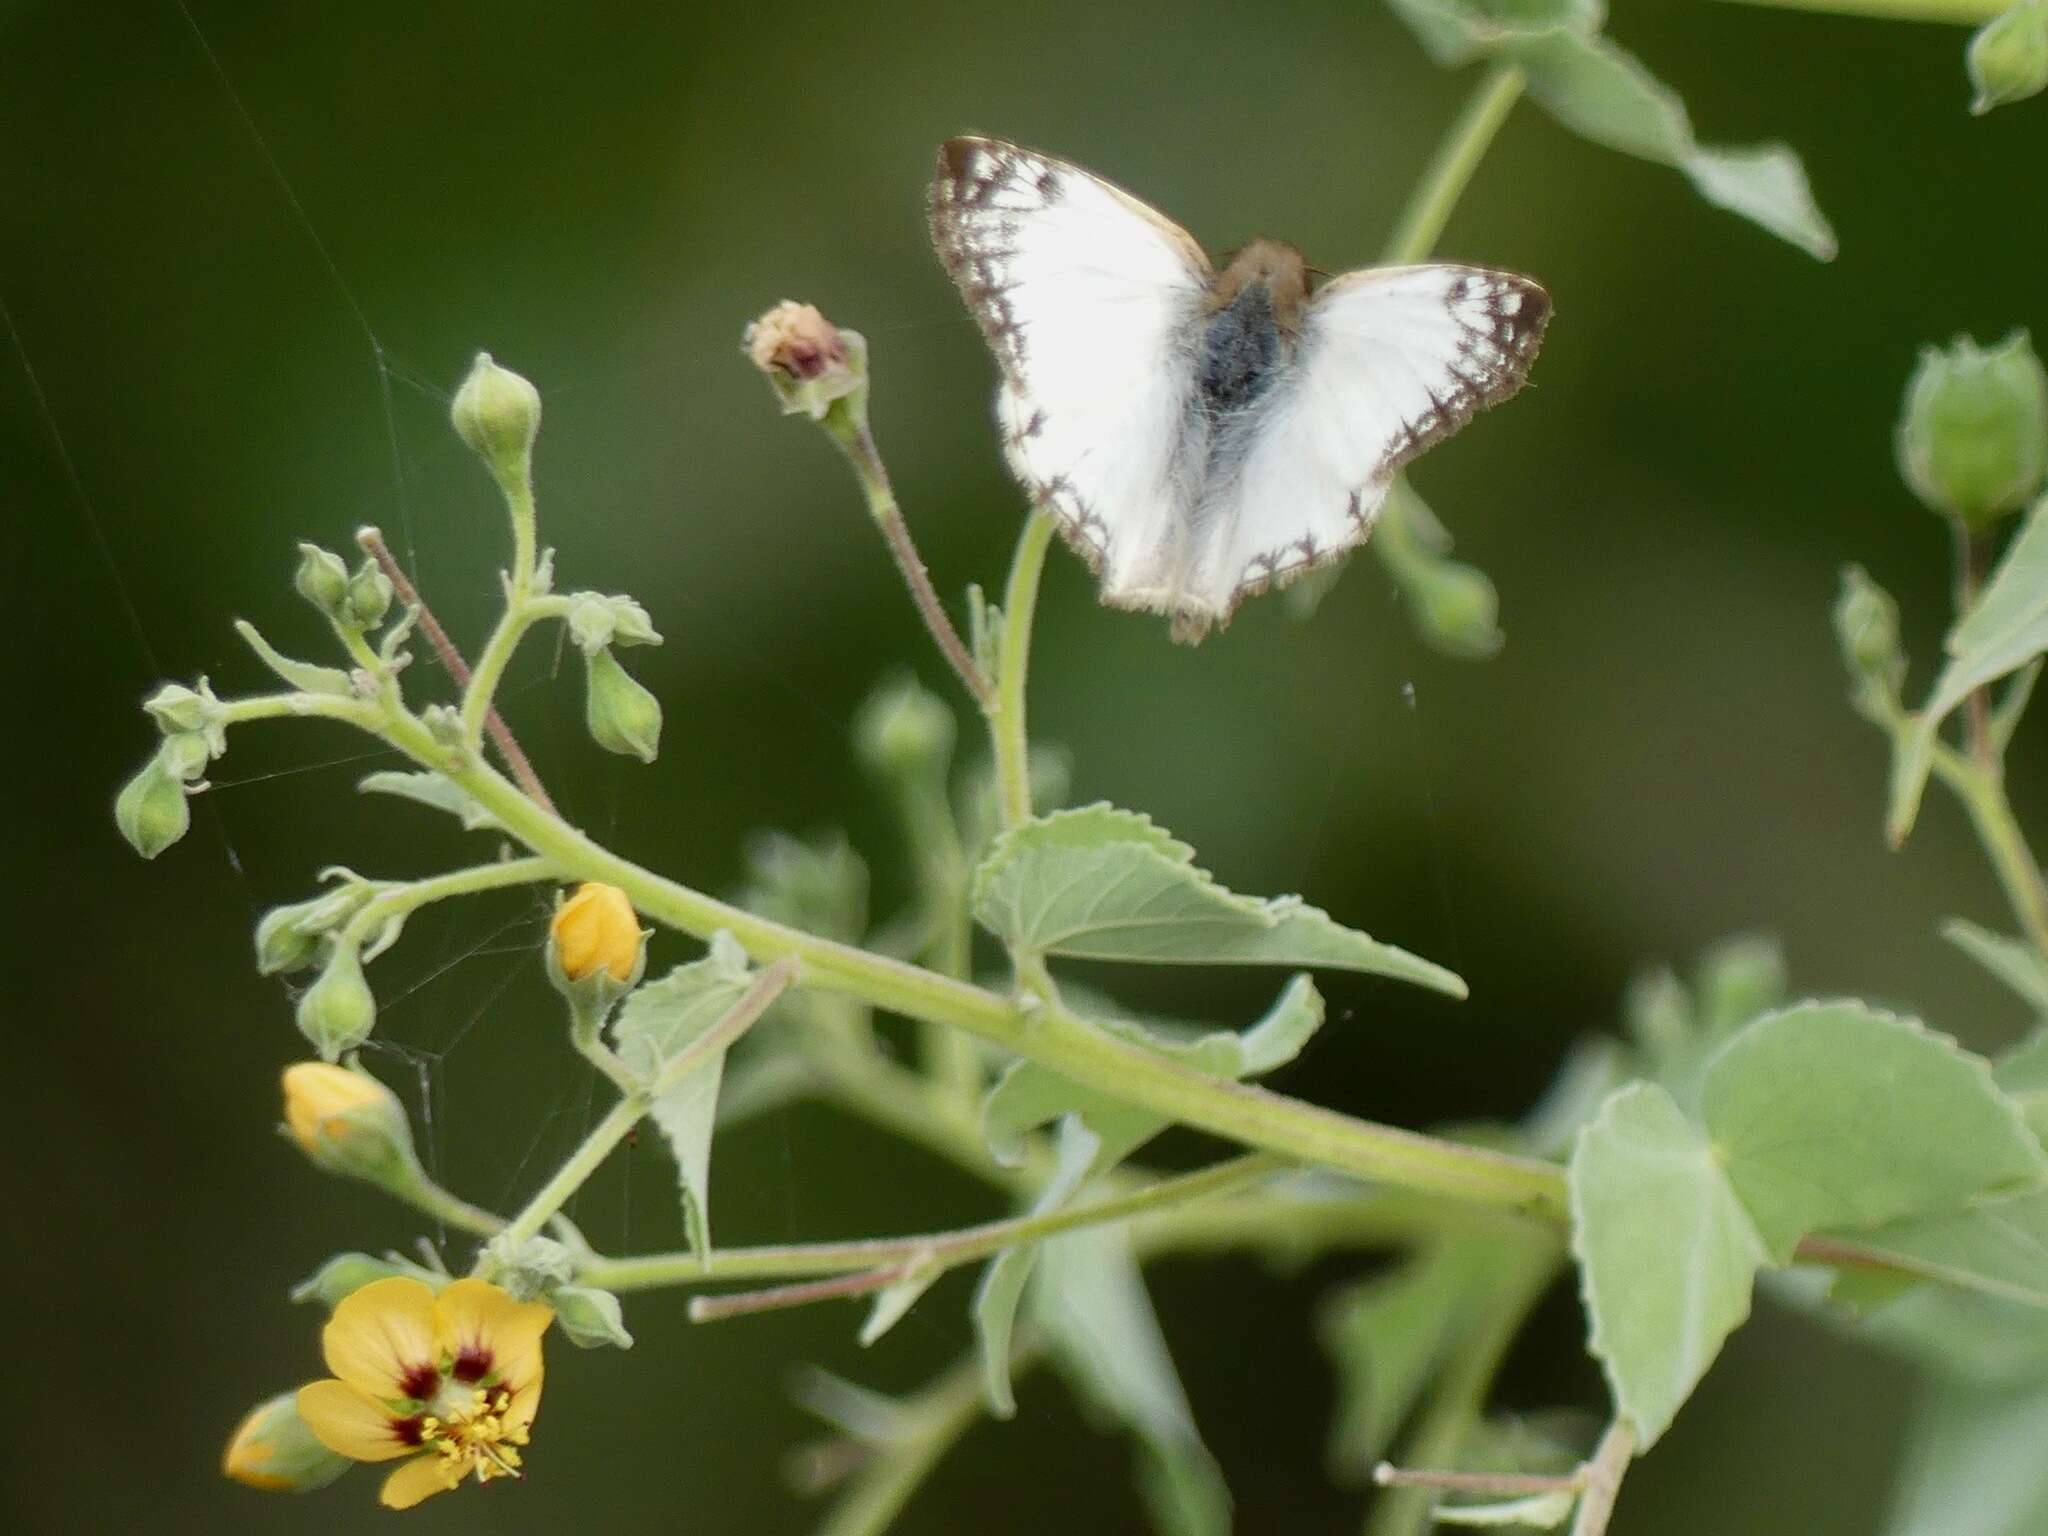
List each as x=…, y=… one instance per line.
x=1389, y=361
x=1086, y=297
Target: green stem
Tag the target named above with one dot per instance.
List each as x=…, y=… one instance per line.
x=938, y=1250
x=400, y=900
x=1982, y=792
x=1459, y=1395
x=513, y=622
x=300, y=706
x=1042, y=1031
x=423, y=1194
x=1449, y=172
x=1962, y=13
x=575, y=1172
x=1006, y=723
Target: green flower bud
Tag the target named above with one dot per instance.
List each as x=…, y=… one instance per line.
x=281, y=945
x=369, y=597
x=1973, y=434
x=177, y=708
x=347, y=1122
x=151, y=810
x=2008, y=58
x=1867, y=629
x=497, y=413
x=338, y=1011
x=590, y=1317
x=347, y=1273
x=1457, y=608
x=322, y=580
x=596, y=621
x=274, y=1449
x=185, y=755
x=623, y=716
x=809, y=362
x=904, y=731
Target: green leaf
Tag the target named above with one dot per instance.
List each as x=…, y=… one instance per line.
x=1097, y=1132
x=2017, y=964
x=655, y=1024
x=1604, y=94
x=1965, y=1335
x=1829, y=1116
x=302, y=675
x=2023, y=1075
x=1667, y=1255
x=1997, y=1247
x=819, y=885
x=1973, y=1465
x=1387, y=1336
x=2005, y=629
x=1105, y=884
x=1091, y=1302
x=432, y=789
x=1029, y=1095
x=1002, y=1282
x=893, y=1303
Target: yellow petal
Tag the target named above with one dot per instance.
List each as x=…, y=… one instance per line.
x=474, y=1316
x=251, y=1450
x=350, y=1422
x=382, y=1336
x=420, y=1478
x=524, y=1405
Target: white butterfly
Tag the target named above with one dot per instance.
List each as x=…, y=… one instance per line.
x=1202, y=435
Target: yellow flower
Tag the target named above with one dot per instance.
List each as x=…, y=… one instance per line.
x=450, y=1382
x=597, y=929
x=345, y=1119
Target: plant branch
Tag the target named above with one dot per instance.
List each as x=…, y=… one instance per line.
x=1602, y=1476
x=400, y=900
x=371, y=541
x=1013, y=666
x=514, y=621
x=1450, y=170
x=850, y=431
x=1962, y=13
x=576, y=1170
x=878, y=1263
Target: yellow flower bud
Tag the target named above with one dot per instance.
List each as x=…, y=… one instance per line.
x=273, y=1449
x=596, y=930
x=346, y=1121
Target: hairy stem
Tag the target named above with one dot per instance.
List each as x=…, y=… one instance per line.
x=849, y=429
x=1006, y=721
x=879, y=1262
x=1450, y=170
x=371, y=541
x=1962, y=13
x=576, y=1170
x=513, y=622
x=414, y=894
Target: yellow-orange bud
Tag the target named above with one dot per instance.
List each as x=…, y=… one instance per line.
x=597, y=930
x=273, y=1449
x=346, y=1120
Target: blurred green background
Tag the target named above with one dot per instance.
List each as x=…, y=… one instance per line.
x=603, y=194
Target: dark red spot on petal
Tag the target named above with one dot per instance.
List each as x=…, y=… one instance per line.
x=407, y=1431
x=473, y=1364
x=420, y=1382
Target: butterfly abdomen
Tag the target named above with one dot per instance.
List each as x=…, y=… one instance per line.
x=1253, y=311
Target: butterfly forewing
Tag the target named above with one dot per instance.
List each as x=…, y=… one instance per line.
x=1085, y=296
x=1389, y=362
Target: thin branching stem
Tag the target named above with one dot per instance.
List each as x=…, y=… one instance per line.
x=1450, y=170
x=371, y=541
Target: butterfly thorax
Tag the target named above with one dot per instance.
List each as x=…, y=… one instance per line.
x=1253, y=312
